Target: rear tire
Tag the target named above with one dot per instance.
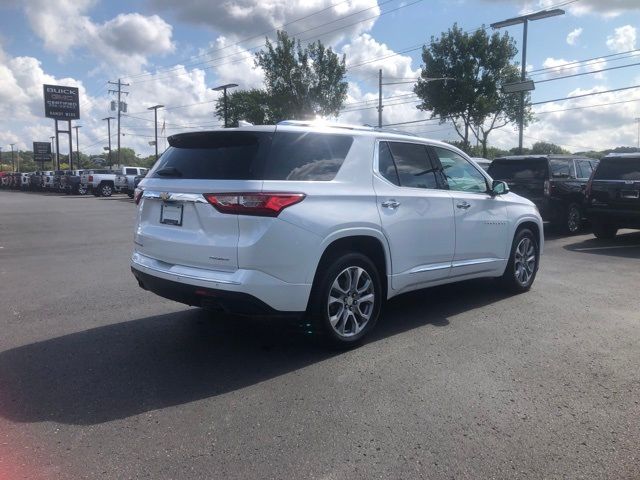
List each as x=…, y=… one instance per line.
x=572, y=222
x=523, y=262
x=106, y=190
x=604, y=231
x=346, y=300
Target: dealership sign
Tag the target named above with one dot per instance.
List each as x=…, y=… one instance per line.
x=61, y=103
x=41, y=151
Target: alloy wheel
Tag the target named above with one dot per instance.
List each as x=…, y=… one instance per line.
x=351, y=301
x=525, y=261
x=573, y=219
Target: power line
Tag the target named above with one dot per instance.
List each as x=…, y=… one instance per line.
x=588, y=106
x=238, y=43
x=586, y=95
x=588, y=73
x=298, y=33
x=627, y=54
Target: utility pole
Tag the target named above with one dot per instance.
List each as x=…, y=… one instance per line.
x=77, y=148
x=224, y=92
x=119, y=92
x=380, y=98
x=13, y=163
x=155, y=120
x=108, y=119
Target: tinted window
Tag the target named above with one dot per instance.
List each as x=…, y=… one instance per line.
x=583, y=168
x=460, y=174
x=560, y=168
x=618, y=169
x=413, y=165
x=215, y=156
x=519, y=169
x=130, y=171
x=386, y=166
x=306, y=156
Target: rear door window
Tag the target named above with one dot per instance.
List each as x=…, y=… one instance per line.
x=407, y=165
x=305, y=156
x=519, y=169
x=618, y=169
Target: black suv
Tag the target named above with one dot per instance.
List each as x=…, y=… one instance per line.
x=613, y=194
x=555, y=183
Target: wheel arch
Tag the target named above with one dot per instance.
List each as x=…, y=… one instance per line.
x=370, y=242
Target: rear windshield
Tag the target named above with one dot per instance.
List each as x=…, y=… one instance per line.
x=618, y=169
x=300, y=156
x=525, y=169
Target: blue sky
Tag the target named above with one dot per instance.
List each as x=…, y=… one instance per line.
x=172, y=52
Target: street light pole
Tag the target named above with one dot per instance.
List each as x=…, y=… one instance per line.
x=525, y=19
x=108, y=119
x=224, y=92
x=77, y=149
x=53, y=150
x=13, y=163
x=155, y=120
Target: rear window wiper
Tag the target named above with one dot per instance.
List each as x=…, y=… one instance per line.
x=169, y=172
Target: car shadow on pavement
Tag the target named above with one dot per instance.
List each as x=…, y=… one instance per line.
x=124, y=369
x=624, y=245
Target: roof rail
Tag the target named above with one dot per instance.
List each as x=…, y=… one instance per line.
x=348, y=126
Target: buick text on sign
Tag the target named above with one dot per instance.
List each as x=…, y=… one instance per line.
x=61, y=103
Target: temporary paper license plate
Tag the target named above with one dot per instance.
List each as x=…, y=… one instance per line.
x=171, y=214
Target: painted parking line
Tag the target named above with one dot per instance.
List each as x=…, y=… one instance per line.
x=605, y=248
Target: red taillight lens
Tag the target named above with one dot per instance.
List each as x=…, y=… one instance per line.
x=257, y=204
x=137, y=195
x=587, y=190
x=91, y=178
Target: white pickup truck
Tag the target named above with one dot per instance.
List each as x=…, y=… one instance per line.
x=103, y=182
x=124, y=182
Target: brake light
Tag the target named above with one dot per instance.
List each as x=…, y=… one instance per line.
x=547, y=188
x=137, y=195
x=91, y=178
x=257, y=204
x=587, y=190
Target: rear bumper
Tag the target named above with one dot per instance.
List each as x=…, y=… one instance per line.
x=242, y=291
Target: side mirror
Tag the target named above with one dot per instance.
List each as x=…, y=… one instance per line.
x=499, y=187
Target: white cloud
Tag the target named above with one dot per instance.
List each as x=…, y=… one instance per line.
x=572, y=37
x=608, y=8
x=124, y=41
x=257, y=18
x=560, y=66
x=362, y=49
x=237, y=65
x=623, y=39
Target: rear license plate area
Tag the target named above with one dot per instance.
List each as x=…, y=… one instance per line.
x=171, y=214
x=630, y=194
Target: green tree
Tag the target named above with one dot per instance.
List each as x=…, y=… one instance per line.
x=300, y=83
x=547, y=148
x=460, y=83
x=253, y=106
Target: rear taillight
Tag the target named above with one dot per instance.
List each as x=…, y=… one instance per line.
x=90, y=179
x=137, y=195
x=258, y=204
x=587, y=190
x=547, y=188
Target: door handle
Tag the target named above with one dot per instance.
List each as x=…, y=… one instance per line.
x=463, y=205
x=392, y=204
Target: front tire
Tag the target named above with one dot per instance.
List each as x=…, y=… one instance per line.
x=346, y=300
x=523, y=262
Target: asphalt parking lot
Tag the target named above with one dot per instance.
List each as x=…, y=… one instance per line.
x=99, y=379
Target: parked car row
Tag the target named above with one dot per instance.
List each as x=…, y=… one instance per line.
x=100, y=182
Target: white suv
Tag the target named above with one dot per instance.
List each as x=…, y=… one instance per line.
x=327, y=220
